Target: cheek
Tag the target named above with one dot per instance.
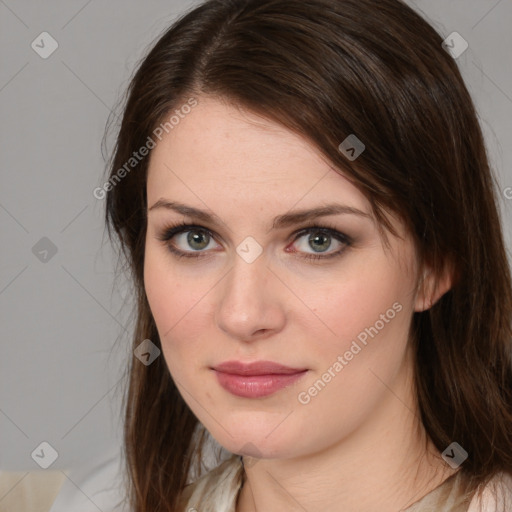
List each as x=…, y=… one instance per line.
x=176, y=304
x=357, y=302
x=360, y=354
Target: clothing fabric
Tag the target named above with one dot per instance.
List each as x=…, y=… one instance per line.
x=96, y=484
x=29, y=491
x=217, y=491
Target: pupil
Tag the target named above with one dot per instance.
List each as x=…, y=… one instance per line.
x=198, y=240
x=320, y=241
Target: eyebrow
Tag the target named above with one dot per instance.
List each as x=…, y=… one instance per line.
x=281, y=221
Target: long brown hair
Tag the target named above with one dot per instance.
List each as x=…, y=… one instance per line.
x=327, y=69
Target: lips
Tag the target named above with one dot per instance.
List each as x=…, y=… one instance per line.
x=256, y=380
x=256, y=368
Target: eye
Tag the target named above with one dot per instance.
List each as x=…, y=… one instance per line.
x=184, y=240
x=320, y=242
x=196, y=239
x=315, y=242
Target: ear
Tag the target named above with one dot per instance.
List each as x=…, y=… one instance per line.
x=431, y=287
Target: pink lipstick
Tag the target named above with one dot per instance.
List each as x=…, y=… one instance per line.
x=256, y=380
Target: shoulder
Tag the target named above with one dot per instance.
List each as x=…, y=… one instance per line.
x=496, y=496
x=216, y=491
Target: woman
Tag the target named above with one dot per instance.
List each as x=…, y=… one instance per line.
x=303, y=196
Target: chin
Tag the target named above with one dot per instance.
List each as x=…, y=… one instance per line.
x=261, y=441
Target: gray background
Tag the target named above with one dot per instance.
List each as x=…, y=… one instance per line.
x=59, y=368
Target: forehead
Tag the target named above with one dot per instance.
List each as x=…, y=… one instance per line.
x=220, y=150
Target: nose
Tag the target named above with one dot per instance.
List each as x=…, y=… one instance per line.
x=251, y=302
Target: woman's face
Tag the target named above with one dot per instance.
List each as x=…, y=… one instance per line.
x=254, y=278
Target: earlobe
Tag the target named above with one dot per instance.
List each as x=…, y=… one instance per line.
x=432, y=288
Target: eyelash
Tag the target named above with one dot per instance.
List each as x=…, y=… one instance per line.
x=175, y=229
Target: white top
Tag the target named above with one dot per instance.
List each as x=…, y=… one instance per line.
x=217, y=491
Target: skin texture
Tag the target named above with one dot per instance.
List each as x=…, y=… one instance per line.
x=361, y=431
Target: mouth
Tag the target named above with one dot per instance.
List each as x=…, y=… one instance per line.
x=256, y=380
